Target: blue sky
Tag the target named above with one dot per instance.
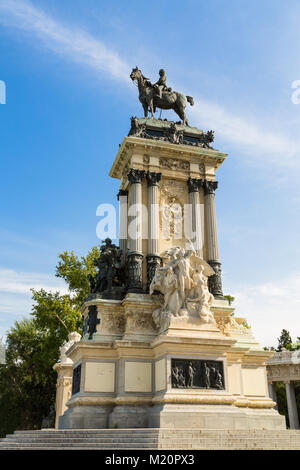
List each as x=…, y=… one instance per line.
x=66, y=66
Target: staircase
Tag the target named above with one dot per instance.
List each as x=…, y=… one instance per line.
x=144, y=439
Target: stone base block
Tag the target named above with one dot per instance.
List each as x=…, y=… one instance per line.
x=125, y=416
x=85, y=417
x=213, y=417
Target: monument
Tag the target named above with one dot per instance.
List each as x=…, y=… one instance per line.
x=160, y=346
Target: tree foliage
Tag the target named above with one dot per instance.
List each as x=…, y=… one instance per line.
x=229, y=298
x=284, y=341
x=27, y=379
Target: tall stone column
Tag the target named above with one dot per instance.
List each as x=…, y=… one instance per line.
x=194, y=185
x=135, y=255
x=123, y=201
x=215, y=281
x=272, y=393
x=153, y=257
x=292, y=405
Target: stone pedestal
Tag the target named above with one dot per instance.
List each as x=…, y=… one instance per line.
x=126, y=372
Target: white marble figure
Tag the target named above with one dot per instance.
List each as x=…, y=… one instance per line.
x=74, y=337
x=172, y=220
x=183, y=283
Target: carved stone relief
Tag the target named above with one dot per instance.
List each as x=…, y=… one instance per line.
x=183, y=283
x=190, y=373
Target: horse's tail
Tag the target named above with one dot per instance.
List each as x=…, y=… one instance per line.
x=190, y=100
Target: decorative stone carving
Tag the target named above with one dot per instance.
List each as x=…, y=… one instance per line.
x=210, y=186
x=284, y=366
x=171, y=219
x=135, y=280
x=153, y=262
x=153, y=178
x=135, y=176
x=170, y=189
x=194, y=184
x=173, y=132
x=223, y=323
x=137, y=129
x=173, y=164
x=139, y=322
x=187, y=373
x=112, y=323
x=183, y=283
x=74, y=337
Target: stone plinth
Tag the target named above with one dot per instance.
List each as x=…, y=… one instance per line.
x=126, y=376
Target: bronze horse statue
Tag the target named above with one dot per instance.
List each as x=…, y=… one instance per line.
x=151, y=100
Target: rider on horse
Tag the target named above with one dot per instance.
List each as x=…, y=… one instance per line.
x=161, y=84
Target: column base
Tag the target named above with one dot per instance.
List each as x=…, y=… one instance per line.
x=135, y=274
x=215, y=281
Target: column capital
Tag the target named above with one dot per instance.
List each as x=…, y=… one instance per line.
x=135, y=176
x=153, y=178
x=122, y=192
x=194, y=184
x=209, y=186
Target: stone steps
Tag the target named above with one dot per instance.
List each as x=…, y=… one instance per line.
x=150, y=439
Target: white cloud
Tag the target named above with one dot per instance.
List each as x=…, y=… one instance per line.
x=15, y=295
x=269, y=307
x=80, y=47
x=73, y=43
x=21, y=282
x=256, y=141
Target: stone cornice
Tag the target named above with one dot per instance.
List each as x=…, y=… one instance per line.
x=136, y=145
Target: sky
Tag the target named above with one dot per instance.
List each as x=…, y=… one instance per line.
x=69, y=100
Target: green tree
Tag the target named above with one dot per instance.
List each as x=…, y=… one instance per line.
x=27, y=380
x=284, y=341
x=229, y=298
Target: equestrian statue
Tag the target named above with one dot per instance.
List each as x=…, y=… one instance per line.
x=158, y=95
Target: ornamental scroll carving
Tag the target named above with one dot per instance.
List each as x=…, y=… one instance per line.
x=172, y=132
x=112, y=323
x=139, y=321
